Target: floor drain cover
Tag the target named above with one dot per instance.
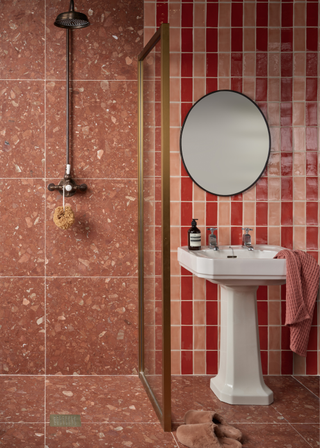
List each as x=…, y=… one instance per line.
x=65, y=420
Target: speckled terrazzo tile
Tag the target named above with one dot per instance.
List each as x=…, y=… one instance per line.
x=21, y=130
x=22, y=227
x=113, y=436
x=193, y=392
x=22, y=435
x=265, y=436
x=22, y=326
x=304, y=406
x=269, y=436
x=92, y=326
x=310, y=382
x=108, y=48
x=103, y=240
x=311, y=433
x=22, y=399
x=99, y=399
x=103, y=137
x=22, y=39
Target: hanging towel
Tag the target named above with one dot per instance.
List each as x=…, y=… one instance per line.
x=303, y=274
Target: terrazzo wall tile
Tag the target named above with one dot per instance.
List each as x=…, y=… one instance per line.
x=103, y=124
x=22, y=129
x=103, y=240
x=22, y=43
x=106, y=50
x=22, y=338
x=22, y=224
x=92, y=326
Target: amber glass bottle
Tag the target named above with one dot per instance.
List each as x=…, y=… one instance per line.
x=194, y=236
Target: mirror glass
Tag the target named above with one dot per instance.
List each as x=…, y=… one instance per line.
x=225, y=143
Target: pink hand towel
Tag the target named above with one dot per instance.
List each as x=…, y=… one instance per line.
x=301, y=294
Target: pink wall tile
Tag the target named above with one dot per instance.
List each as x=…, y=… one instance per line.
x=199, y=337
x=224, y=15
x=249, y=39
x=199, y=362
x=174, y=14
x=175, y=363
x=249, y=11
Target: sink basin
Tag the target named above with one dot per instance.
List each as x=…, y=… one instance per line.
x=250, y=267
x=239, y=380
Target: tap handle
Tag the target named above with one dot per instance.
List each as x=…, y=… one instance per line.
x=247, y=230
x=212, y=229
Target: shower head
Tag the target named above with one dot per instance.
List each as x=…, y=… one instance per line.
x=71, y=19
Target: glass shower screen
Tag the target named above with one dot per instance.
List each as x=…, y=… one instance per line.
x=154, y=224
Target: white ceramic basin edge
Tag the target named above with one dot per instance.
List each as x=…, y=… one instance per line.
x=257, y=267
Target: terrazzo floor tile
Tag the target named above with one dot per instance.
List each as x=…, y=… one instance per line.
x=281, y=435
x=304, y=405
x=110, y=435
x=22, y=435
x=311, y=433
x=270, y=436
x=194, y=392
x=22, y=344
x=310, y=382
x=22, y=399
x=99, y=399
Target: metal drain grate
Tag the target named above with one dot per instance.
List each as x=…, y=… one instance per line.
x=65, y=420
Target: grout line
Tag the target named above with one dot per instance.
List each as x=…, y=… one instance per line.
x=63, y=80
x=63, y=276
x=65, y=376
x=305, y=385
x=175, y=439
x=80, y=178
x=45, y=228
x=299, y=433
x=86, y=423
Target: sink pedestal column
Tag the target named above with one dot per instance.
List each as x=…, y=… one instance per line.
x=240, y=380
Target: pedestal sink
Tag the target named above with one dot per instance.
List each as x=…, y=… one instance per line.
x=239, y=379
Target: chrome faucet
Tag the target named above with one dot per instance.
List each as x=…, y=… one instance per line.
x=213, y=243
x=246, y=238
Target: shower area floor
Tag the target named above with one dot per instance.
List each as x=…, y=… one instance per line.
x=115, y=412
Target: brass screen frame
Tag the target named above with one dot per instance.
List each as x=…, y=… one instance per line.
x=163, y=412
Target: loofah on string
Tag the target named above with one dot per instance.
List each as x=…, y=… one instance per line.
x=63, y=217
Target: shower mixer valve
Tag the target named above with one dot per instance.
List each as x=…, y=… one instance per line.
x=68, y=184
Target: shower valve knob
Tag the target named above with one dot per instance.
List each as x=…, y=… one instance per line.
x=69, y=187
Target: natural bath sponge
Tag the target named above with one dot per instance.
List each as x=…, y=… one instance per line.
x=63, y=217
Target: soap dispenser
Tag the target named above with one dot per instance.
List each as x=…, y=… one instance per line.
x=194, y=236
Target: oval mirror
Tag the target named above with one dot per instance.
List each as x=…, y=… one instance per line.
x=225, y=143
